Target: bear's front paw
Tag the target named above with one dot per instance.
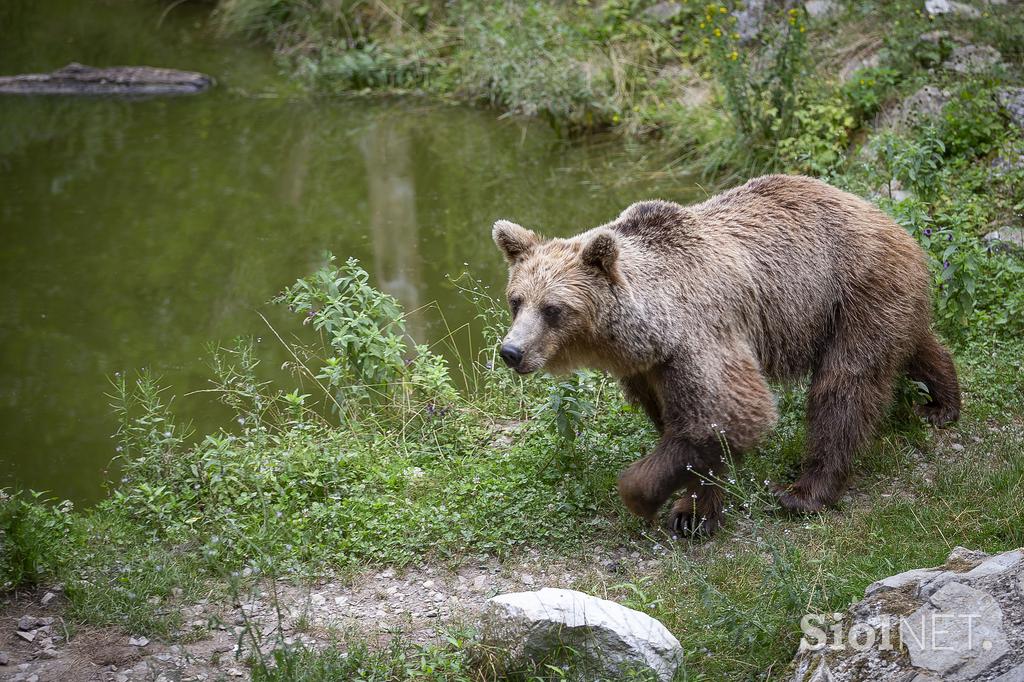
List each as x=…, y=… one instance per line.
x=696, y=515
x=792, y=499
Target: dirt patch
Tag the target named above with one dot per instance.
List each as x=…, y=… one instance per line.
x=416, y=604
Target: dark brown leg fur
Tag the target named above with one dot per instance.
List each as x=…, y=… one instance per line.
x=742, y=410
x=674, y=463
x=933, y=366
x=638, y=390
x=699, y=510
x=843, y=408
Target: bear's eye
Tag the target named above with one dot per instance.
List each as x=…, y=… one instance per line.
x=514, y=304
x=552, y=313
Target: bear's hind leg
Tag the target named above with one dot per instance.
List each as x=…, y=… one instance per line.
x=933, y=366
x=843, y=408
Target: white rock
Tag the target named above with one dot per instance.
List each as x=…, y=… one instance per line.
x=927, y=102
x=137, y=641
x=935, y=7
x=613, y=638
x=894, y=582
x=27, y=636
x=816, y=9
x=1006, y=238
x=749, y=19
x=1012, y=100
x=663, y=12
x=47, y=598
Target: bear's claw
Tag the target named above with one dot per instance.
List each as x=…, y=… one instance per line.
x=689, y=518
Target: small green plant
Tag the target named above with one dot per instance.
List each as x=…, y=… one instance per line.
x=913, y=161
x=570, y=404
x=34, y=537
x=365, y=329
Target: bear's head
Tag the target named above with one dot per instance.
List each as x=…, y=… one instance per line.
x=558, y=290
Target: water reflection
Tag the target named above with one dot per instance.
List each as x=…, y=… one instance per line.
x=391, y=191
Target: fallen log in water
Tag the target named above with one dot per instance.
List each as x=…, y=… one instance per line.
x=78, y=79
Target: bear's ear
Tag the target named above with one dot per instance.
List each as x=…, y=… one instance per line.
x=514, y=240
x=602, y=252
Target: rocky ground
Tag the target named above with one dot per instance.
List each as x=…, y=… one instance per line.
x=415, y=604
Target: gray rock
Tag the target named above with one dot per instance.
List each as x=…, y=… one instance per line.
x=937, y=7
x=962, y=621
x=928, y=102
x=1006, y=238
x=612, y=639
x=1012, y=100
x=749, y=20
x=972, y=58
x=4, y=658
x=27, y=622
x=819, y=9
x=47, y=598
x=935, y=37
x=859, y=61
x=663, y=12
x=957, y=634
x=27, y=636
x=895, y=582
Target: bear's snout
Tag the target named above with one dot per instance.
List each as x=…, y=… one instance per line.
x=511, y=354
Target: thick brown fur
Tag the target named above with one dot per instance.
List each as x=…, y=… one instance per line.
x=695, y=308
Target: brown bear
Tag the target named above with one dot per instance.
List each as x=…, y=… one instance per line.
x=695, y=308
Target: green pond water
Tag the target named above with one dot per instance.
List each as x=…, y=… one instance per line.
x=135, y=232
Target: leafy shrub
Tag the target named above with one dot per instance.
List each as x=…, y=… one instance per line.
x=365, y=329
x=821, y=142
x=914, y=161
x=762, y=99
x=34, y=537
x=971, y=124
x=866, y=89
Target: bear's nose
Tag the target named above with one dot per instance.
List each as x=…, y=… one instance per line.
x=511, y=354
